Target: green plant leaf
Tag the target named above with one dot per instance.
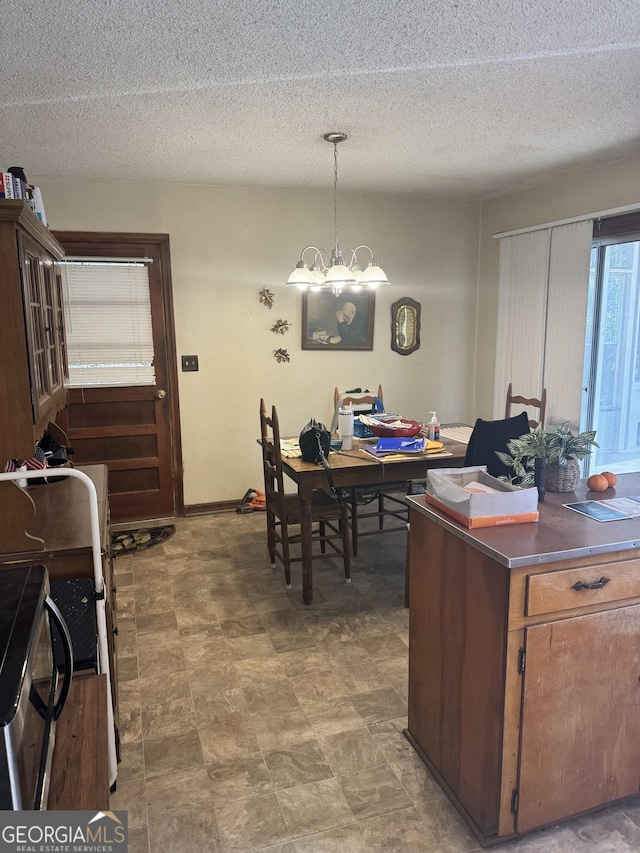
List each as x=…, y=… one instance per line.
x=557, y=445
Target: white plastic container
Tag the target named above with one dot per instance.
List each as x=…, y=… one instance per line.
x=501, y=504
x=345, y=426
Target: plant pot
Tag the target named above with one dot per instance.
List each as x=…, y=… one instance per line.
x=558, y=478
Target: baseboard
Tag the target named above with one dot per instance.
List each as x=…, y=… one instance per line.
x=211, y=508
x=192, y=510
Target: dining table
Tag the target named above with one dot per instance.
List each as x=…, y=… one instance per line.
x=358, y=467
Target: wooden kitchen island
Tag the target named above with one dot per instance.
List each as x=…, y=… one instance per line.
x=524, y=662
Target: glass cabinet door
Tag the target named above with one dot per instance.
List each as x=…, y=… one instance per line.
x=40, y=378
x=49, y=313
x=59, y=323
x=44, y=320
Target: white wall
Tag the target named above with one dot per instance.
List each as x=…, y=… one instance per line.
x=610, y=186
x=227, y=244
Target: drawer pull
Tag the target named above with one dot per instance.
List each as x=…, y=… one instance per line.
x=597, y=585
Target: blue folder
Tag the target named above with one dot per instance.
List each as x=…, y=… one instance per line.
x=399, y=445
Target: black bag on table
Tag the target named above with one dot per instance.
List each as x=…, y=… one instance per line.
x=315, y=443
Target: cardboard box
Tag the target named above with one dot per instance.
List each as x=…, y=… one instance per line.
x=500, y=504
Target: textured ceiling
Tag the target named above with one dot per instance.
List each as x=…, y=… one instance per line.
x=457, y=98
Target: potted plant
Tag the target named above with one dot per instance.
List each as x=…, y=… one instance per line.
x=548, y=457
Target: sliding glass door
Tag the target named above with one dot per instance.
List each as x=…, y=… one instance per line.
x=611, y=398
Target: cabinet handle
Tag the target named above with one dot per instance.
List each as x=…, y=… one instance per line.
x=597, y=585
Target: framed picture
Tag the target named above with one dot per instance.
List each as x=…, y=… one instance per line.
x=343, y=322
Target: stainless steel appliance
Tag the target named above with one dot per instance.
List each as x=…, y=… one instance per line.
x=32, y=695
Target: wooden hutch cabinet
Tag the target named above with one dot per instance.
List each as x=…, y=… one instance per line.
x=46, y=524
x=33, y=359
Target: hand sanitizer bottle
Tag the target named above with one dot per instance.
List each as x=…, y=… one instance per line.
x=434, y=428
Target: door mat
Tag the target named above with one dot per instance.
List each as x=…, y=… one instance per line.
x=126, y=541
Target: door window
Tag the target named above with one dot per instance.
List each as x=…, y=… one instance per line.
x=108, y=320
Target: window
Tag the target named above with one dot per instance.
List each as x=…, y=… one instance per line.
x=108, y=321
x=612, y=345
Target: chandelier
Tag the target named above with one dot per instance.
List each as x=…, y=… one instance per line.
x=338, y=273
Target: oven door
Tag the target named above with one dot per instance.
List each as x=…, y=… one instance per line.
x=47, y=697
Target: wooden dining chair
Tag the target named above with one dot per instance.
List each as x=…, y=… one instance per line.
x=532, y=402
x=390, y=502
x=329, y=518
x=351, y=398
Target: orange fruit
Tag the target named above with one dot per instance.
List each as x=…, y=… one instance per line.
x=611, y=478
x=598, y=483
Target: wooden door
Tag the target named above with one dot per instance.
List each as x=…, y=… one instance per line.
x=134, y=430
x=580, y=743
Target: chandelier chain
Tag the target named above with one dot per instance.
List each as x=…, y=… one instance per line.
x=335, y=195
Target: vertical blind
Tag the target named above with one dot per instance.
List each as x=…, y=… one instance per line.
x=108, y=323
x=567, y=321
x=522, y=304
x=542, y=303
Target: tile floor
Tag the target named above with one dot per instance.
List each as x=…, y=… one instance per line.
x=252, y=722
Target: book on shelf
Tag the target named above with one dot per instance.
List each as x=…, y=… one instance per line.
x=7, y=185
x=14, y=188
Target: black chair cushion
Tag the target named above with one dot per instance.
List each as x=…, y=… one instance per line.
x=489, y=436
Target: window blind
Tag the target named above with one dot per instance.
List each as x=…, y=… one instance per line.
x=522, y=305
x=108, y=323
x=543, y=290
x=567, y=321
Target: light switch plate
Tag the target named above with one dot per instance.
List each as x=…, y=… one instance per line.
x=189, y=362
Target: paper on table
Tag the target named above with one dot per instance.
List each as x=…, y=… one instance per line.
x=460, y=433
x=476, y=488
x=629, y=506
x=290, y=448
x=597, y=510
x=387, y=457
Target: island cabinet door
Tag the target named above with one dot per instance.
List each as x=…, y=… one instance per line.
x=580, y=745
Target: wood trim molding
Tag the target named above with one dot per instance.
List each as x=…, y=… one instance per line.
x=211, y=508
x=20, y=213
